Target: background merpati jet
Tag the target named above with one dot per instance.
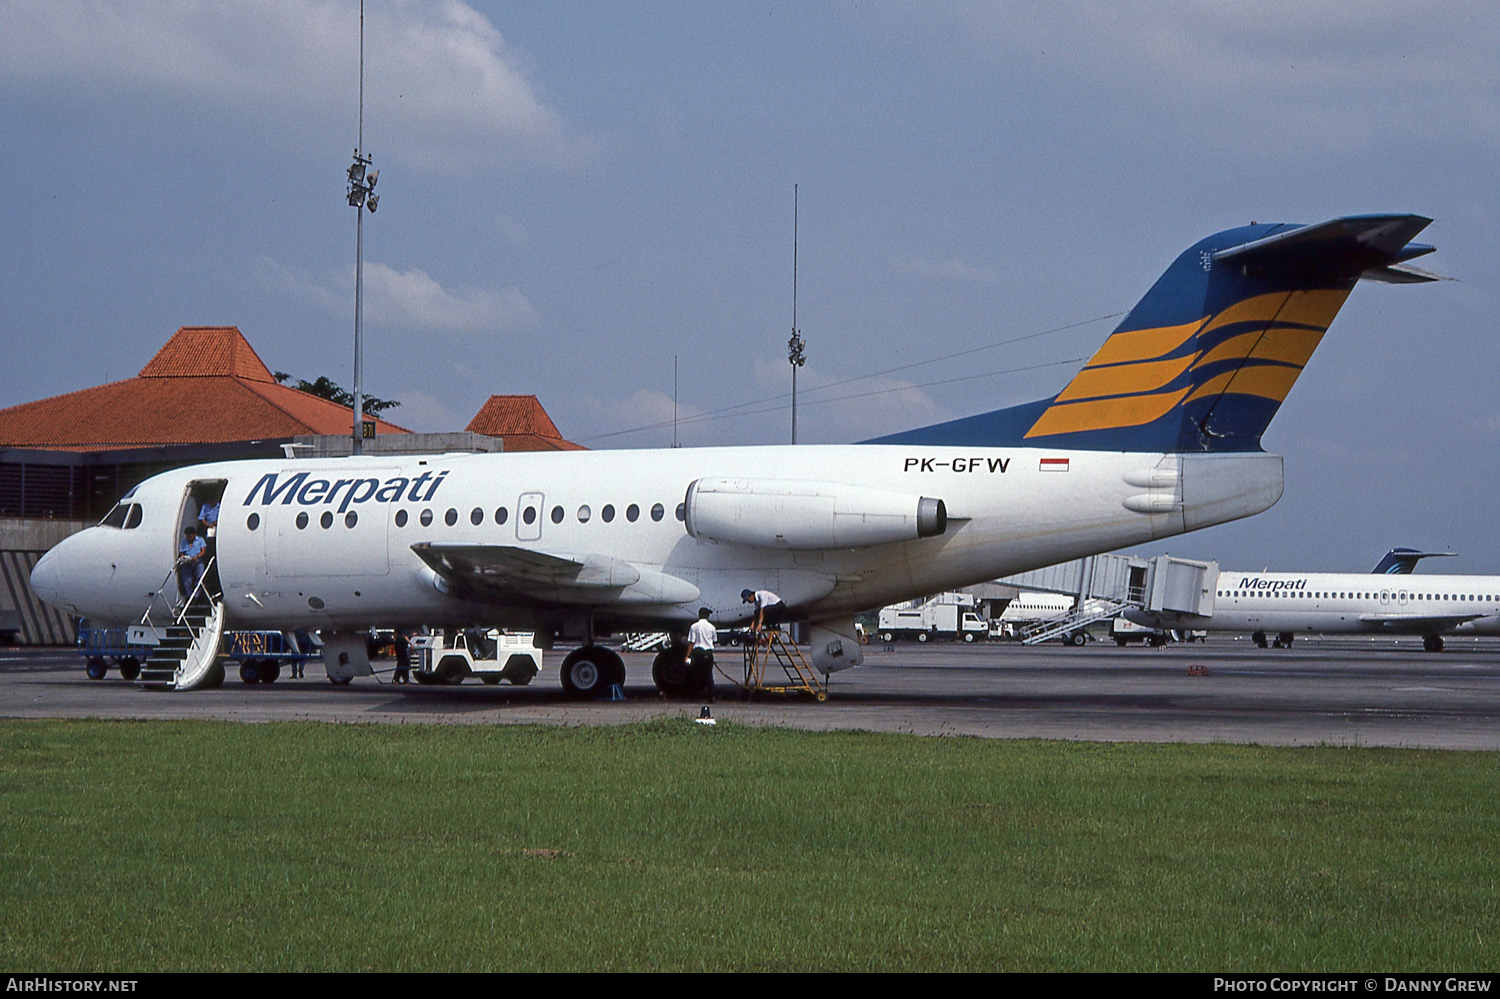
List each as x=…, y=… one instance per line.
x=1158, y=434
x=1276, y=606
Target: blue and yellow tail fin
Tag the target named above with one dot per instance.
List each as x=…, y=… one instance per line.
x=1205, y=360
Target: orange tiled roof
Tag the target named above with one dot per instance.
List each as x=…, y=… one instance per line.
x=205, y=386
x=522, y=423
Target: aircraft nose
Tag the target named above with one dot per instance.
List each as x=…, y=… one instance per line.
x=46, y=577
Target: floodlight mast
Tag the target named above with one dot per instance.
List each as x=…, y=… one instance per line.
x=795, y=348
x=361, y=195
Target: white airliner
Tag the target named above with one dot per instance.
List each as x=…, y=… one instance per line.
x=1386, y=601
x=1157, y=435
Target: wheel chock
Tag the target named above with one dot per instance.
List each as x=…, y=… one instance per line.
x=616, y=692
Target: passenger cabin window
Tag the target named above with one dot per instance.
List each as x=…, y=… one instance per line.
x=400, y=518
x=658, y=512
x=501, y=515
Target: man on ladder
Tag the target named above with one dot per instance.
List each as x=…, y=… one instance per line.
x=768, y=608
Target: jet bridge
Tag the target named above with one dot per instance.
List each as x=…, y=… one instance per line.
x=1104, y=585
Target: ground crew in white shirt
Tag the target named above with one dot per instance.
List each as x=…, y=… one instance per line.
x=701, y=654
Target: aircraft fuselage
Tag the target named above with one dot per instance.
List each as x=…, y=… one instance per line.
x=328, y=543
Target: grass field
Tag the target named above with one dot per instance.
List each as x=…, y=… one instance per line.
x=669, y=846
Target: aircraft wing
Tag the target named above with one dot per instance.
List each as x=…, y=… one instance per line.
x=512, y=572
x=1419, y=622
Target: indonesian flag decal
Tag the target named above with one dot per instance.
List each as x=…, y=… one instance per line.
x=1054, y=465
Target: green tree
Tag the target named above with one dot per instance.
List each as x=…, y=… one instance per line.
x=326, y=388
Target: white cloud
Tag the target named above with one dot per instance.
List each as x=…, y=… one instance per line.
x=834, y=408
x=1319, y=74
x=642, y=419
x=412, y=299
x=945, y=270
x=426, y=414
x=442, y=86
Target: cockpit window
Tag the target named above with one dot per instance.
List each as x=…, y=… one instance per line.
x=124, y=515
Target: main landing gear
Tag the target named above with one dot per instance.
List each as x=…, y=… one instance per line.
x=591, y=670
x=1282, y=641
x=1432, y=643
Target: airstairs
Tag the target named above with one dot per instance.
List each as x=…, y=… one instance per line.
x=186, y=656
x=645, y=641
x=1074, y=622
x=1104, y=586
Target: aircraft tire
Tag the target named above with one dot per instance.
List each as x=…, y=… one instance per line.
x=1259, y=638
x=1432, y=643
x=671, y=673
x=585, y=672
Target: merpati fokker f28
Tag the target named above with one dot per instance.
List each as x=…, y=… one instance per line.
x=1158, y=434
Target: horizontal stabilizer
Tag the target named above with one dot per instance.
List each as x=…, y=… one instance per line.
x=1339, y=249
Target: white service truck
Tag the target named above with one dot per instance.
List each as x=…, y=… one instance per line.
x=491, y=655
x=932, y=621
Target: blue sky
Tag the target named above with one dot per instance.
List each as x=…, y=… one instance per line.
x=573, y=193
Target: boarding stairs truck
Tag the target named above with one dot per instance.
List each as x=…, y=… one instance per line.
x=932, y=619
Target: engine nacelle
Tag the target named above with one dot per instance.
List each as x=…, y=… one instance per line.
x=804, y=515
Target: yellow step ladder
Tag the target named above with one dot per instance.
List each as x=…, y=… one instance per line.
x=770, y=649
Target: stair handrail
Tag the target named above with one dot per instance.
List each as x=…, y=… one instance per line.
x=161, y=590
x=202, y=585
